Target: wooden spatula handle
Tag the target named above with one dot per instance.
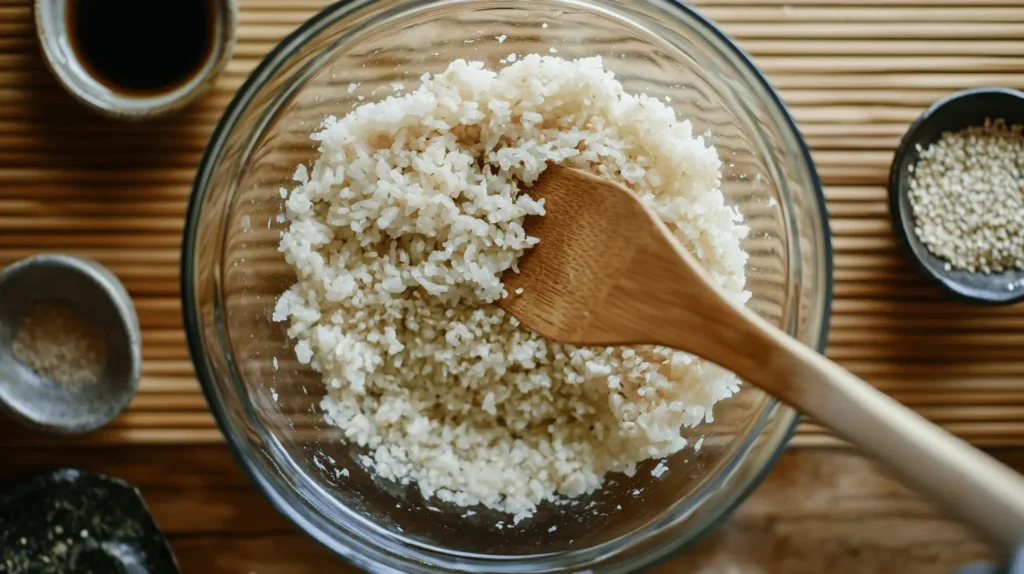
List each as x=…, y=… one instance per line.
x=973, y=485
x=970, y=483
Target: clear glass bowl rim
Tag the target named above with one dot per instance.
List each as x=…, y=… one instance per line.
x=270, y=64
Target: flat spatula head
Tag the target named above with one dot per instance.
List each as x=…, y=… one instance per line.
x=591, y=236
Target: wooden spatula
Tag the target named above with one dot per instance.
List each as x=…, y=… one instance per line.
x=607, y=271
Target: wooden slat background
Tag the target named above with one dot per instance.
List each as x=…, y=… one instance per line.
x=854, y=76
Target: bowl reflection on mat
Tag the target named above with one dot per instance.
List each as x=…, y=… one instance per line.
x=268, y=405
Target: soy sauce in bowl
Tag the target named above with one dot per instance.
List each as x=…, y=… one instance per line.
x=142, y=47
x=136, y=59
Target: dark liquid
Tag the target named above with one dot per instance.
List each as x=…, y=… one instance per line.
x=142, y=47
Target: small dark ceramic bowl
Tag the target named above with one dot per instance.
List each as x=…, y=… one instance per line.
x=950, y=114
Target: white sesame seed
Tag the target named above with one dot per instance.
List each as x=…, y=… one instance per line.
x=967, y=195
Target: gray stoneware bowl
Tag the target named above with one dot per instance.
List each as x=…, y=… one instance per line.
x=99, y=296
x=950, y=114
x=51, y=30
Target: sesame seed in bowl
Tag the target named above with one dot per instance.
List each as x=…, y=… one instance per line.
x=956, y=195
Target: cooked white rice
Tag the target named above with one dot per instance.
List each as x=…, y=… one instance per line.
x=399, y=235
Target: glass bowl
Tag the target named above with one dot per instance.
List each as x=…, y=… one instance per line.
x=267, y=404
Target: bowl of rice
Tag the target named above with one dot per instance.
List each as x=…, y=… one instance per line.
x=347, y=233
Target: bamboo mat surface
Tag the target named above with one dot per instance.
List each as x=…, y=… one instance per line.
x=854, y=76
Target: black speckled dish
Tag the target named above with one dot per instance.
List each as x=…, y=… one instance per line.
x=72, y=522
x=953, y=113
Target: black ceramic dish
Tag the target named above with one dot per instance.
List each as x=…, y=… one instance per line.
x=953, y=113
x=72, y=522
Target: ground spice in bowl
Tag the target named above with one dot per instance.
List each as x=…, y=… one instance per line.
x=967, y=193
x=58, y=344
x=70, y=351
